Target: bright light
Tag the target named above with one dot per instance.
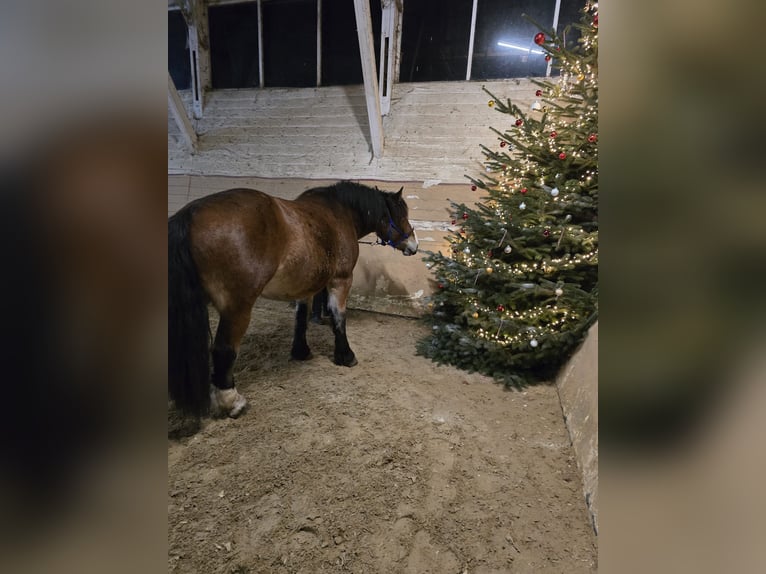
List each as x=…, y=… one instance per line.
x=507, y=45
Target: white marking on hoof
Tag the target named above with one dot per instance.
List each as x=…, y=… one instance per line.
x=226, y=402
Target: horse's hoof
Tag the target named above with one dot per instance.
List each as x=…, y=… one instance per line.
x=239, y=405
x=226, y=402
x=346, y=362
x=304, y=356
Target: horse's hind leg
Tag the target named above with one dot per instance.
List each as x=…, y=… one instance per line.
x=336, y=302
x=300, y=350
x=224, y=397
x=319, y=307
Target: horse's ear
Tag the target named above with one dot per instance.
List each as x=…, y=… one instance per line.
x=399, y=193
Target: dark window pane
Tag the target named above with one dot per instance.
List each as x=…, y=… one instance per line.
x=178, y=51
x=234, y=45
x=504, y=45
x=341, y=63
x=570, y=13
x=290, y=43
x=435, y=36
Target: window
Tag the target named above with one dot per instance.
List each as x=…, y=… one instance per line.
x=571, y=10
x=435, y=36
x=341, y=62
x=179, y=65
x=437, y=44
x=290, y=43
x=234, y=45
x=504, y=45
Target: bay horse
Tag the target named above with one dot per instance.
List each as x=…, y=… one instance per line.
x=231, y=247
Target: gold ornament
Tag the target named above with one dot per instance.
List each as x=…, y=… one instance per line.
x=489, y=270
x=581, y=77
x=491, y=103
x=475, y=315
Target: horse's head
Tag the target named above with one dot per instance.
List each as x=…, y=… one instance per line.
x=394, y=228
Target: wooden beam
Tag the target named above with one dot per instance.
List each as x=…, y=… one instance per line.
x=179, y=114
x=195, y=15
x=319, y=42
x=387, y=46
x=260, y=45
x=367, y=52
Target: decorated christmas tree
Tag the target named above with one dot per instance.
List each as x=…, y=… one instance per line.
x=518, y=288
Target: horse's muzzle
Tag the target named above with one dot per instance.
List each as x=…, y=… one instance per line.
x=412, y=245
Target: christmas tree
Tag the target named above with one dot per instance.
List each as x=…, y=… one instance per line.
x=518, y=288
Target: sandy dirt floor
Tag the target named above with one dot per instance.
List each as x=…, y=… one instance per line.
x=396, y=465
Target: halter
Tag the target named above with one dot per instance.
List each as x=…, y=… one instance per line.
x=388, y=240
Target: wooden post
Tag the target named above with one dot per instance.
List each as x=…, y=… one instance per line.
x=260, y=45
x=387, y=45
x=319, y=42
x=367, y=52
x=179, y=114
x=195, y=15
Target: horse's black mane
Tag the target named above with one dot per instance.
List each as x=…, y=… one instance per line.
x=368, y=202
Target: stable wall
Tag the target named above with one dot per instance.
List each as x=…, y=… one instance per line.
x=432, y=132
x=577, y=384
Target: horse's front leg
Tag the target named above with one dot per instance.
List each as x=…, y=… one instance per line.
x=300, y=350
x=336, y=302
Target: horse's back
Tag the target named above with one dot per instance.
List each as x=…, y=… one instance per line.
x=236, y=244
x=247, y=244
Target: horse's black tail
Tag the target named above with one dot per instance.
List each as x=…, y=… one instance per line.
x=188, y=327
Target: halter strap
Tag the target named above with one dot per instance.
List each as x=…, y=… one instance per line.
x=392, y=226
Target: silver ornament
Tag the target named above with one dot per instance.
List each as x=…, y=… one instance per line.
x=522, y=205
x=533, y=342
x=554, y=191
x=507, y=249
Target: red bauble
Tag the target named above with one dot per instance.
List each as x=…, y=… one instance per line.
x=547, y=57
x=562, y=155
x=502, y=144
x=454, y=221
x=519, y=122
x=554, y=134
x=473, y=188
x=595, y=20
x=501, y=308
x=546, y=232
x=465, y=216
x=539, y=38
x=489, y=254
x=539, y=93
x=441, y=285
x=523, y=190
x=592, y=138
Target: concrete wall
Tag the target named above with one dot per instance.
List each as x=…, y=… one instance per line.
x=578, y=390
x=432, y=132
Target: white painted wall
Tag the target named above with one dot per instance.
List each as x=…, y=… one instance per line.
x=433, y=131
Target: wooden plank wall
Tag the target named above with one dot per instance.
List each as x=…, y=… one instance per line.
x=432, y=132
